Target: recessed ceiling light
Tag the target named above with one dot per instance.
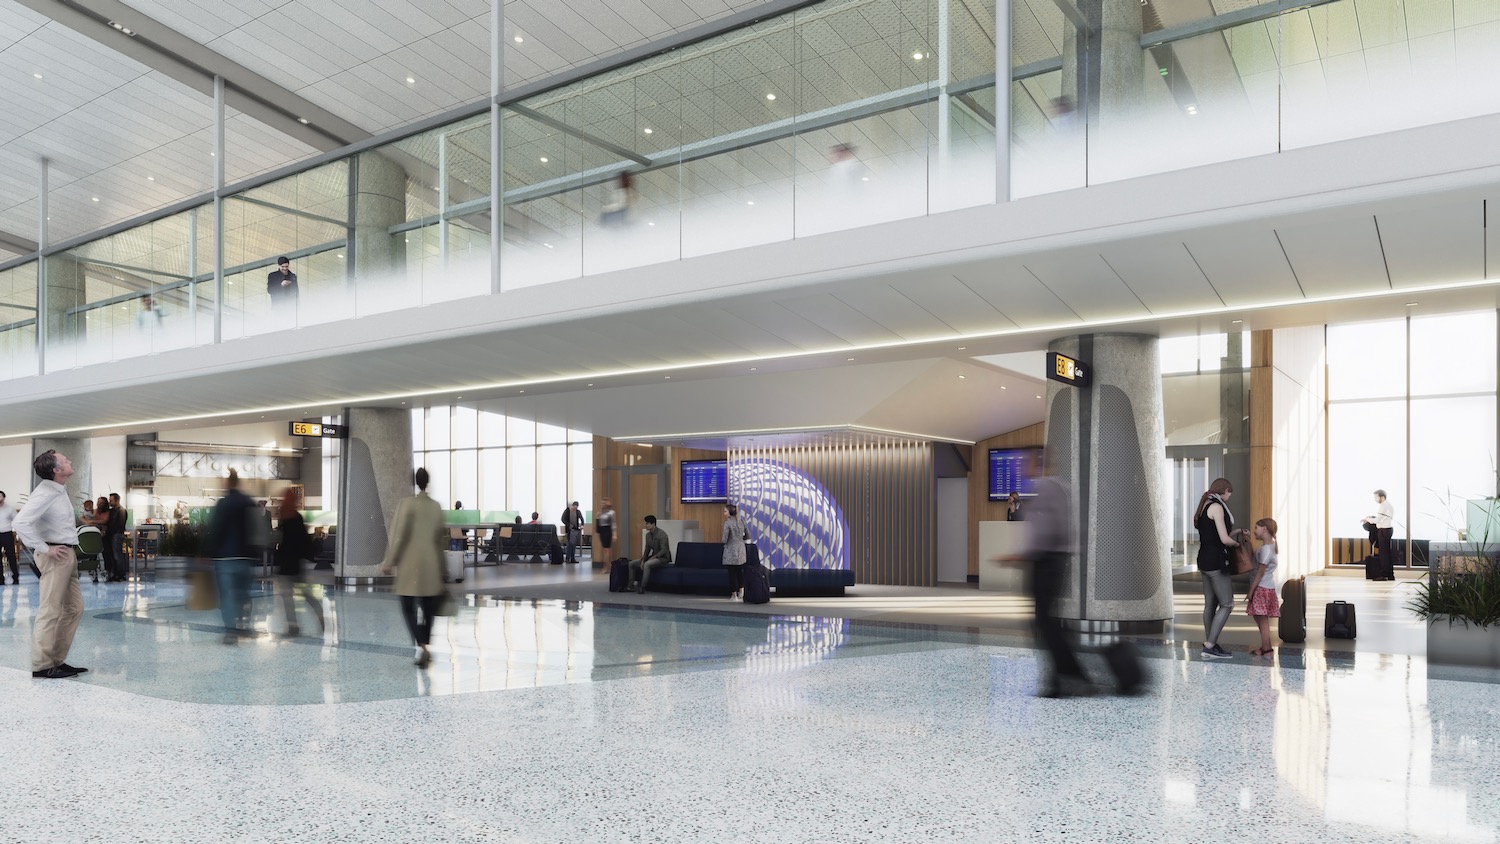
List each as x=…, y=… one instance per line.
x=668, y=377
x=848, y=358
x=95, y=198
x=341, y=256
x=150, y=178
x=591, y=385
x=1003, y=387
x=753, y=368
x=544, y=159
x=650, y=223
x=770, y=96
x=917, y=56
x=1411, y=304
x=1192, y=109
x=523, y=391
x=37, y=75
x=1038, y=396
x=519, y=40
x=751, y=202
x=647, y=130
x=411, y=80
x=1235, y=321
x=122, y=27
x=302, y=120
x=548, y=245
x=963, y=377
x=962, y=348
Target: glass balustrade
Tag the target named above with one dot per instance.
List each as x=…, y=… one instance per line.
x=840, y=114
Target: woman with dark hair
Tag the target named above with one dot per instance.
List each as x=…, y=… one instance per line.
x=100, y=520
x=415, y=554
x=1215, y=523
x=734, y=551
x=292, y=553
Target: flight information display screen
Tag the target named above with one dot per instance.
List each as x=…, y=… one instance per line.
x=1013, y=469
x=705, y=481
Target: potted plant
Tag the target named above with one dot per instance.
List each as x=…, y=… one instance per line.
x=1460, y=601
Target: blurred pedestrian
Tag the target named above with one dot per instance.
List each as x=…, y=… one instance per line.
x=46, y=526
x=8, y=542
x=233, y=541
x=1050, y=542
x=114, y=538
x=415, y=555
x=292, y=554
x=604, y=529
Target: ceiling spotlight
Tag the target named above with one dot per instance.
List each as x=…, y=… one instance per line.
x=751, y=202
x=963, y=377
x=770, y=96
x=668, y=377
x=849, y=359
x=647, y=130
x=649, y=223
x=95, y=198
x=122, y=27
x=1192, y=109
x=753, y=368
x=523, y=392
x=916, y=56
x=591, y=385
x=1038, y=396
x=150, y=178
x=411, y=80
x=544, y=159
x=37, y=75
x=302, y=120
x=519, y=40
x=1003, y=387
x=962, y=348
x=1236, y=321
x=1411, y=304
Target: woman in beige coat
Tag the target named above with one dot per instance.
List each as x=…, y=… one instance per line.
x=415, y=553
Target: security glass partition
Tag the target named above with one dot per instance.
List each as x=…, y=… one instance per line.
x=18, y=322
x=144, y=290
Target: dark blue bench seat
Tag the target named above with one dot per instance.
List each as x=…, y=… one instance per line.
x=698, y=568
x=809, y=583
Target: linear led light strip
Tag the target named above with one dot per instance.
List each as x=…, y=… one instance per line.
x=757, y=432
x=1069, y=327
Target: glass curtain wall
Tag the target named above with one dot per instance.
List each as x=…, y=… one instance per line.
x=504, y=466
x=18, y=323
x=1411, y=410
x=1130, y=88
x=148, y=289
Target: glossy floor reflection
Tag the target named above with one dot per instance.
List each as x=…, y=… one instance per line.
x=575, y=721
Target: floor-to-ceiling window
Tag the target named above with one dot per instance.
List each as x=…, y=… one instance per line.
x=498, y=463
x=1411, y=410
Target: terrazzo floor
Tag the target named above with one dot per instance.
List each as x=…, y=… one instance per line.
x=556, y=721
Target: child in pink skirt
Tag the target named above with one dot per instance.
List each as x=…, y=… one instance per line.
x=1262, y=605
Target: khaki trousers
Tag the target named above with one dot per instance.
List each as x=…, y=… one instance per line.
x=57, y=616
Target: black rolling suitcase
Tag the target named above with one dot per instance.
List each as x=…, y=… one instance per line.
x=619, y=575
x=1338, y=621
x=1372, y=568
x=1124, y=663
x=757, y=584
x=1292, y=626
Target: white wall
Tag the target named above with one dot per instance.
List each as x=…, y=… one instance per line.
x=1298, y=455
x=107, y=465
x=15, y=471
x=952, y=530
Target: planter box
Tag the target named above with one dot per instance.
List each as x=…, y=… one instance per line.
x=1457, y=644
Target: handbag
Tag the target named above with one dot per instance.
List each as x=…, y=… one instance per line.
x=1240, y=560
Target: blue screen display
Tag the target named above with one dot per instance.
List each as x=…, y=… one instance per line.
x=1013, y=469
x=705, y=481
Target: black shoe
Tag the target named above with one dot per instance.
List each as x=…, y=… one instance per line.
x=73, y=668
x=58, y=673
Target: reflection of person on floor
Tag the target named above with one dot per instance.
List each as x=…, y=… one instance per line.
x=1050, y=543
x=1383, y=521
x=657, y=554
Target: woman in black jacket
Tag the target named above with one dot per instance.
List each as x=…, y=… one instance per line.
x=295, y=548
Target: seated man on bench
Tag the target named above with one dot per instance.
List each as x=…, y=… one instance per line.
x=658, y=553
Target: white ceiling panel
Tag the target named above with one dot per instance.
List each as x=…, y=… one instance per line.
x=908, y=318
x=1435, y=244
x=1018, y=295
x=735, y=330
x=1336, y=257
x=1087, y=284
x=1244, y=265
x=840, y=319
x=1163, y=274
x=785, y=323
x=955, y=305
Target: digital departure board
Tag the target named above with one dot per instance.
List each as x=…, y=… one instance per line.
x=705, y=481
x=319, y=429
x=1013, y=469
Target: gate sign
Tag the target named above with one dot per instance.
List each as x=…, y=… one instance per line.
x=1067, y=370
x=318, y=429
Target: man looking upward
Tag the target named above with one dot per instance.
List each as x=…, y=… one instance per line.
x=46, y=526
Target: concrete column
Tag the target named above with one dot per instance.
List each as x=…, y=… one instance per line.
x=81, y=485
x=1107, y=441
x=377, y=202
x=1102, y=63
x=376, y=474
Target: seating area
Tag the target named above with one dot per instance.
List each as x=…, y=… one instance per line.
x=534, y=541
x=698, y=568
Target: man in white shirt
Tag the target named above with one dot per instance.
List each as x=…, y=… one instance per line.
x=8, y=542
x=1384, y=522
x=46, y=526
